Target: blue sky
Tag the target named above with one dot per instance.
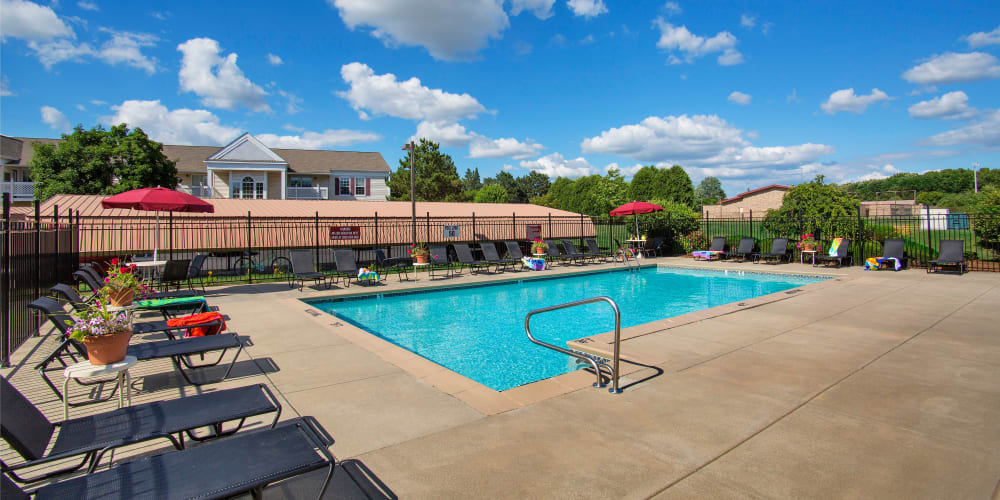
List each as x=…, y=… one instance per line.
x=753, y=93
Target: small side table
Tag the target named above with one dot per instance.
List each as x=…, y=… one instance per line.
x=85, y=369
x=812, y=253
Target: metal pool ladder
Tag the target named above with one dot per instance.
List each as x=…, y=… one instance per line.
x=633, y=265
x=594, y=361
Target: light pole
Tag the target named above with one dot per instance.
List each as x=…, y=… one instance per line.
x=412, y=147
x=975, y=174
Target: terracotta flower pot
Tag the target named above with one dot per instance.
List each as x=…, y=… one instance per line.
x=808, y=248
x=121, y=297
x=107, y=349
x=421, y=258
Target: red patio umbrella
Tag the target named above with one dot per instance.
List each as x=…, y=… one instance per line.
x=157, y=200
x=635, y=208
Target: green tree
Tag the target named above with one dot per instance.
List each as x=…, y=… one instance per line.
x=670, y=184
x=987, y=204
x=611, y=191
x=824, y=210
x=509, y=184
x=99, y=161
x=709, y=191
x=680, y=187
x=492, y=193
x=436, y=176
x=534, y=185
x=471, y=180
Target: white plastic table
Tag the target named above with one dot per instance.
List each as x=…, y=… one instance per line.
x=802, y=256
x=84, y=369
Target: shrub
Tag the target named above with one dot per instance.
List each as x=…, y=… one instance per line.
x=695, y=240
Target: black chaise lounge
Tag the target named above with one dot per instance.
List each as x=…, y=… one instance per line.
x=951, y=254
x=594, y=250
x=347, y=267
x=465, y=258
x=304, y=269
x=401, y=265
x=719, y=245
x=571, y=252
x=492, y=256
x=95, y=282
x=779, y=250
x=843, y=253
x=745, y=248
x=514, y=252
x=178, y=351
x=438, y=259
x=894, y=249
x=29, y=432
x=245, y=463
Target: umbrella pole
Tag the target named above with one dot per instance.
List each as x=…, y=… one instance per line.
x=156, y=237
x=636, y=216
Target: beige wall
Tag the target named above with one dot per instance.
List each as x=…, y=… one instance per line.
x=759, y=203
x=379, y=190
x=274, y=186
x=219, y=183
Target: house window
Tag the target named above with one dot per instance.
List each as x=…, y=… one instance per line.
x=359, y=186
x=249, y=188
x=199, y=180
x=345, y=187
x=299, y=181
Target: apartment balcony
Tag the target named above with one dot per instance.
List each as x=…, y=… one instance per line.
x=19, y=191
x=307, y=193
x=199, y=191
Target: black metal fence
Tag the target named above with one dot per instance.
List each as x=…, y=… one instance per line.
x=35, y=253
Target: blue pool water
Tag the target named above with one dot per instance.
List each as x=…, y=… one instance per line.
x=478, y=331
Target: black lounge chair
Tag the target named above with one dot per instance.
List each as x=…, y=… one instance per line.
x=245, y=463
x=894, y=249
x=194, y=270
x=175, y=273
x=843, y=253
x=595, y=250
x=745, y=248
x=347, y=267
x=571, y=252
x=514, y=252
x=95, y=282
x=719, y=245
x=399, y=264
x=304, y=269
x=29, y=432
x=178, y=351
x=655, y=247
x=465, y=258
x=555, y=254
x=438, y=260
x=951, y=254
x=779, y=250
x=492, y=256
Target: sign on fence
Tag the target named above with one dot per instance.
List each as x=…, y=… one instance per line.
x=345, y=232
x=450, y=231
x=533, y=231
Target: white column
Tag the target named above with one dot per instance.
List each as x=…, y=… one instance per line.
x=284, y=183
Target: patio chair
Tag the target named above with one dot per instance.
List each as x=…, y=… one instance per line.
x=465, y=258
x=745, y=248
x=304, y=269
x=89, y=276
x=175, y=272
x=843, y=253
x=399, y=264
x=656, y=248
x=245, y=463
x=895, y=249
x=347, y=267
x=179, y=351
x=595, y=250
x=779, y=250
x=514, y=252
x=30, y=433
x=555, y=254
x=438, y=260
x=194, y=270
x=951, y=254
x=571, y=252
x=492, y=256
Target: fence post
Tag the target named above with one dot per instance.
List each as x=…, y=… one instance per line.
x=376, y=232
x=249, y=247
x=5, y=283
x=857, y=241
x=474, y=224
x=55, y=265
x=930, y=244
x=170, y=225
x=581, y=230
x=318, y=264
x=513, y=226
x=428, y=240
x=37, y=275
x=550, y=226
x=751, y=223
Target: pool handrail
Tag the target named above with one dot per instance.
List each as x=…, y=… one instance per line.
x=618, y=334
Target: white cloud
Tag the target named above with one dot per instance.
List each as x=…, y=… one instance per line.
x=985, y=132
x=587, y=8
x=542, y=9
x=587, y=40
x=162, y=16
x=30, y=21
x=679, y=38
x=701, y=141
x=317, y=140
x=506, y=147
x=446, y=133
x=554, y=165
x=954, y=68
x=55, y=119
x=197, y=127
x=672, y=9
x=384, y=95
x=292, y=106
x=950, y=106
x=625, y=171
x=558, y=39
x=449, y=30
x=292, y=128
x=877, y=172
x=88, y=6
x=793, y=97
x=226, y=87
x=274, y=60
x=97, y=102
x=748, y=21
x=982, y=39
x=81, y=107
x=846, y=100
x=126, y=48
x=5, y=87
x=51, y=53
x=739, y=98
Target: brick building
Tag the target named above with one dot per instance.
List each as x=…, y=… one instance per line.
x=759, y=200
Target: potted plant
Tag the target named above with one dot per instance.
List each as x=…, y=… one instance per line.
x=539, y=247
x=695, y=240
x=419, y=253
x=122, y=284
x=807, y=243
x=104, y=333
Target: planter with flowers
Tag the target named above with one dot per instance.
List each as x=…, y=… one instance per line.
x=104, y=333
x=419, y=253
x=808, y=244
x=122, y=284
x=539, y=247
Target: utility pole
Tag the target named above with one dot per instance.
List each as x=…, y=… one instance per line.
x=412, y=147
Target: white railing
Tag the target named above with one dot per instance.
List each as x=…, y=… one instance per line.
x=199, y=191
x=307, y=193
x=19, y=191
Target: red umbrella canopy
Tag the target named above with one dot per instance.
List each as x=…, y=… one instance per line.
x=636, y=207
x=158, y=199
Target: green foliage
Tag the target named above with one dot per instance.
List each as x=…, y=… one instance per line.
x=610, y=192
x=709, y=191
x=988, y=228
x=695, y=240
x=515, y=193
x=471, y=180
x=99, y=161
x=492, y=193
x=436, y=176
x=675, y=219
x=671, y=184
x=960, y=180
x=827, y=211
x=534, y=185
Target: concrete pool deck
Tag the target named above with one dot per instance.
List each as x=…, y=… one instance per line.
x=879, y=384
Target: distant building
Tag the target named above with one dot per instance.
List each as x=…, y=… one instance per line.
x=899, y=208
x=243, y=169
x=759, y=201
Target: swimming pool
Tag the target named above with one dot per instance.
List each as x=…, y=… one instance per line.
x=478, y=331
